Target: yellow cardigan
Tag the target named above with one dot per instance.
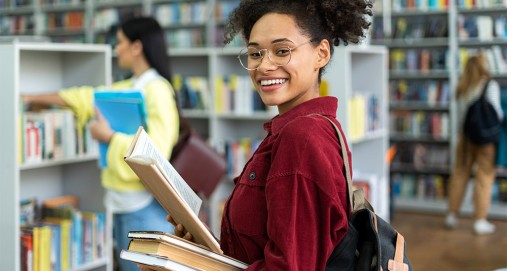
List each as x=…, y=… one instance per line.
x=162, y=126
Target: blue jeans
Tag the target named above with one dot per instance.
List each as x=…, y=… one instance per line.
x=150, y=218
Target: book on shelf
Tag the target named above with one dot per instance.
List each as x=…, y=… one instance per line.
x=125, y=112
x=181, y=251
x=168, y=187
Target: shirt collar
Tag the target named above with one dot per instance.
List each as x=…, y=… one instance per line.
x=326, y=106
x=146, y=77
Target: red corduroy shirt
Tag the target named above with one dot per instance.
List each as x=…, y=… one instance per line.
x=289, y=207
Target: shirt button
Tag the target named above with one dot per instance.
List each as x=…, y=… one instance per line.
x=251, y=176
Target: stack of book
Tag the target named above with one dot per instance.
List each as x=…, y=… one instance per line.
x=164, y=251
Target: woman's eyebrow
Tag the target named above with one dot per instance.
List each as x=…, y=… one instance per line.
x=272, y=42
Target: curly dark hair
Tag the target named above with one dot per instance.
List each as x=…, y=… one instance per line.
x=335, y=20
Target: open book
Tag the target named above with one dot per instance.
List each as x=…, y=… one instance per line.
x=170, y=190
x=182, y=251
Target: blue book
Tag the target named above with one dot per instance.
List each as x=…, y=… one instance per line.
x=125, y=112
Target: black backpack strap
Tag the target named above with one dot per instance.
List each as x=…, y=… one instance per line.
x=466, y=142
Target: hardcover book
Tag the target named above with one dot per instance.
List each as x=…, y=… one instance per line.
x=155, y=262
x=182, y=251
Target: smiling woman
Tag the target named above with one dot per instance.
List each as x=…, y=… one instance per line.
x=289, y=208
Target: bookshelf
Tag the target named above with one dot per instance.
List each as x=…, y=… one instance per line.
x=345, y=76
x=428, y=43
x=34, y=68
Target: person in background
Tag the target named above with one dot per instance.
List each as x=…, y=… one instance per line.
x=468, y=154
x=289, y=208
x=142, y=49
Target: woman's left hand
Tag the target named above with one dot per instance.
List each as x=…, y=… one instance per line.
x=145, y=268
x=100, y=129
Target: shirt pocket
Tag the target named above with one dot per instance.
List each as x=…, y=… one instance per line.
x=248, y=210
x=255, y=173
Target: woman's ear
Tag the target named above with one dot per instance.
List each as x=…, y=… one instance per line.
x=136, y=47
x=323, y=53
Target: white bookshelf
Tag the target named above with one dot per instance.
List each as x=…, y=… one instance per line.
x=363, y=70
x=36, y=68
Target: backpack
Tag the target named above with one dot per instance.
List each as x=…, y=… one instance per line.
x=371, y=244
x=482, y=125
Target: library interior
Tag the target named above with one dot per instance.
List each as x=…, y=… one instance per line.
x=398, y=109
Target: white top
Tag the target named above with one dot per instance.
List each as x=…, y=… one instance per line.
x=492, y=96
x=130, y=201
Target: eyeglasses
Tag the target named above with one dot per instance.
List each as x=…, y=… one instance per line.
x=278, y=54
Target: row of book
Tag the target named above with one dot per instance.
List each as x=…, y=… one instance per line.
x=402, y=5
x=61, y=2
x=52, y=134
x=181, y=13
x=423, y=5
x=426, y=92
x=186, y=38
x=469, y=4
x=421, y=156
x=69, y=21
x=412, y=29
x=363, y=115
x=414, y=186
x=431, y=187
x=418, y=60
x=415, y=28
x=60, y=237
x=192, y=92
x=224, y=8
x=236, y=94
x=482, y=27
x=238, y=152
x=14, y=3
x=496, y=57
x=425, y=60
x=416, y=124
x=106, y=19
x=47, y=22
x=18, y=24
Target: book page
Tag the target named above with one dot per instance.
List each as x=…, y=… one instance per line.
x=146, y=150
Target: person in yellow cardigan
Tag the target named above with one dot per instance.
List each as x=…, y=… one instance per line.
x=141, y=48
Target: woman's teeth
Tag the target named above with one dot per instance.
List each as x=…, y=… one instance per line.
x=272, y=82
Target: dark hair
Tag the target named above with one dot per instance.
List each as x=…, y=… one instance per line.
x=150, y=34
x=338, y=21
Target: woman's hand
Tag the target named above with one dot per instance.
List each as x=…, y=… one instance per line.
x=179, y=230
x=144, y=268
x=100, y=129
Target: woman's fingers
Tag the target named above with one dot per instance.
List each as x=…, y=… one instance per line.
x=179, y=230
x=171, y=220
x=188, y=236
